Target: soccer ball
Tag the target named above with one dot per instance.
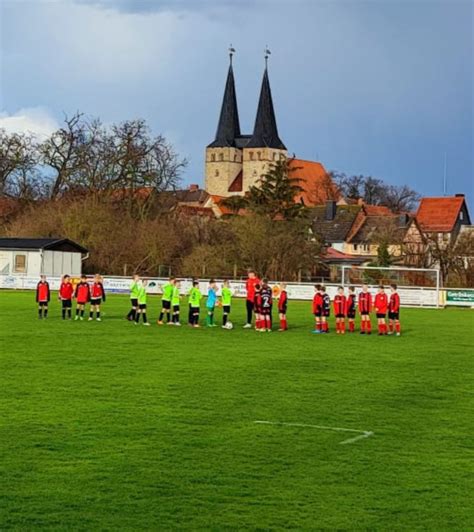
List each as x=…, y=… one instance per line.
x=229, y=325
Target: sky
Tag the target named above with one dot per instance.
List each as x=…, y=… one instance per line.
x=381, y=88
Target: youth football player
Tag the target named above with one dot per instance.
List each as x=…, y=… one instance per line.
x=97, y=296
x=282, y=307
x=211, y=303
x=317, y=309
x=82, y=295
x=394, y=310
x=351, y=308
x=195, y=303
x=175, y=302
x=134, y=286
x=340, y=310
x=250, y=285
x=326, y=310
x=66, y=291
x=381, y=306
x=166, y=301
x=142, y=297
x=43, y=296
x=266, y=296
x=226, y=299
x=257, y=307
x=365, y=307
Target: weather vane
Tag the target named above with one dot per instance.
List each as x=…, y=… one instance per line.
x=231, y=52
x=267, y=54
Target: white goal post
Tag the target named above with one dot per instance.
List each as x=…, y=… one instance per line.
x=417, y=286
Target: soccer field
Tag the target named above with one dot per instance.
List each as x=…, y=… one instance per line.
x=111, y=426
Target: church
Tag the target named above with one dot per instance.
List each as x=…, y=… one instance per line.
x=235, y=161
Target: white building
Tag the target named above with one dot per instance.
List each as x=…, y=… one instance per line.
x=31, y=257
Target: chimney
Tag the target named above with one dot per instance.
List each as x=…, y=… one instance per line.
x=403, y=219
x=193, y=187
x=330, y=210
x=459, y=195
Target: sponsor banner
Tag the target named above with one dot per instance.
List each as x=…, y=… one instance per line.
x=460, y=298
x=415, y=296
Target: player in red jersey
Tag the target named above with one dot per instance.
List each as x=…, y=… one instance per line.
x=351, y=308
x=266, y=306
x=82, y=295
x=394, y=310
x=317, y=309
x=257, y=307
x=43, y=296
x=365, y=307
x=66, y=291
x=97, y=296
x=340, y=310
x=282, y=307
x=381, y=306
x=250, y=285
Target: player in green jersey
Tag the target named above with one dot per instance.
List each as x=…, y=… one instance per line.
x=195, y=303
x=226, y=301
x=142, y=303
x=175, y=300
x=133, y=297
x=166, y=301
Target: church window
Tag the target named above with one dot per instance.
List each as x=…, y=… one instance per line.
x=251, y=155
x=274, y=156
x=235, y=157
x=259, y=155
x=221, y=156
x=255, y=173
x=213, y=158
x=217, y=173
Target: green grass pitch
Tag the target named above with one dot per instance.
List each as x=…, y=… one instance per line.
x=110, y=426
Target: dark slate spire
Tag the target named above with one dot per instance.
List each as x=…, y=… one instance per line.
x=228, y=128
x=265, y=132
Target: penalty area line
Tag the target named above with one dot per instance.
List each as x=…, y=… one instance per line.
x=362, y=434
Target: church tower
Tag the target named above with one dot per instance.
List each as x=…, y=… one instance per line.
x=223, y=156
x=265, y=146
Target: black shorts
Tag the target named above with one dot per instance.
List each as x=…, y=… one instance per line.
x=194, y=311
x=134, y=301
x=43, y=303
x=282, y=310
x=318, y=314
x=326, y=313
x=364, y=312
x=393, y=315
x=66, y=303
x=175, y=308
x=96, y=301
x=166, y=304
x=226, y=309
x=266, y=311
x=340, y=315
x=142, y=306
x=380, y=315
x=351, y=315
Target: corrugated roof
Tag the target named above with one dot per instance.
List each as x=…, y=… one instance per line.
x=39, y=243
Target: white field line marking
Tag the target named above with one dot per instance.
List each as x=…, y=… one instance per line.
x=361, y=433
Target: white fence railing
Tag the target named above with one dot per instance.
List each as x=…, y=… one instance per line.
x=409, y=295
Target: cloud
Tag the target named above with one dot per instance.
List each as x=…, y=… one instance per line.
x=143, y=6
x=37, y=120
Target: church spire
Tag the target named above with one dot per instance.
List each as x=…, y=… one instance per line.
x=228, y=128
x=265, y=132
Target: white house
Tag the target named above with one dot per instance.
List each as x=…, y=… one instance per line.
x=31, y=257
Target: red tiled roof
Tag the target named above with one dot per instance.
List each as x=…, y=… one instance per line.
x=333, y=255
x=377, y=210
x=316, y=183
x=237, y=184
x=439, y=214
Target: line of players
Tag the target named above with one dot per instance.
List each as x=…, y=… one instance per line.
x=345, y=307
x=259, y=300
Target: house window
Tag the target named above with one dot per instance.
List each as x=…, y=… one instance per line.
x=20, y=264
x=221, y=156
x=213, y=158
x=461, y=216
x=251, y=155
